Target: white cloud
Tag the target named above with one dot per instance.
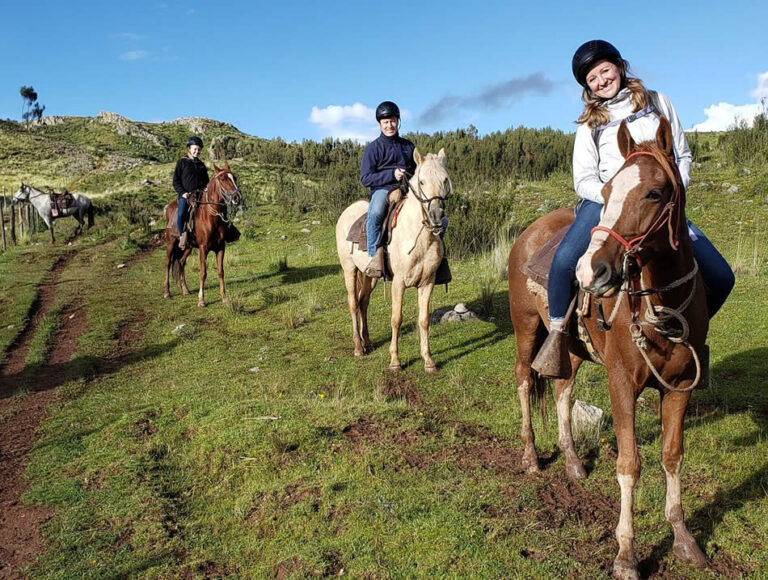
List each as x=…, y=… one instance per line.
x=723, y=116
x=356, y=122
x=134, y=55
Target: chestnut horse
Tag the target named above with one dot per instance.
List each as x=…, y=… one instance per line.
x=415, y=252
x=213, y=229
x=640, y=266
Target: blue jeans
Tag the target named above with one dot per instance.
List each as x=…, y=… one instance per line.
x=717, y=274
x=377, y=212
x=181, y=214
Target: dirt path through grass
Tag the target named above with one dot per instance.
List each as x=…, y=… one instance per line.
x=22, y=413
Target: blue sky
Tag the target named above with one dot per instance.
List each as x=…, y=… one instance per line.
x=309, y=70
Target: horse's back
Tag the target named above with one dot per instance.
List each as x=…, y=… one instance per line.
x=536, y=235
x=344, y=223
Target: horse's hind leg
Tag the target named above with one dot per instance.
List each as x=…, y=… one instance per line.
x=351, y=280
x=673, y=406
x=182, y=276
x=526, y=338
x=364, y=299
x=563, y=388
x=203, y=251
x=167, y=284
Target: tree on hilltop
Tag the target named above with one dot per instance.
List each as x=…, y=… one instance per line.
x=30, y=108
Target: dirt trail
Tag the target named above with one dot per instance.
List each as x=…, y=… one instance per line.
x=20, y=417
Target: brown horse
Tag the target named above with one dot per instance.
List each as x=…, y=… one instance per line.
x=640, y=266
x=213, y=229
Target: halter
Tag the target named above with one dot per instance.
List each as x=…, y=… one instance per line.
x=634, y=287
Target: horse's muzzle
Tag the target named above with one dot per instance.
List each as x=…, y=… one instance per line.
x=605, y=280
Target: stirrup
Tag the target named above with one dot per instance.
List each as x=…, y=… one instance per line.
x=375, y=267
x=553, y=360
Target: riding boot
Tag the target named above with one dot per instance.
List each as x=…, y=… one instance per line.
x=183, y=241
x=375, y=268
x=443, y=274
x=553, y=360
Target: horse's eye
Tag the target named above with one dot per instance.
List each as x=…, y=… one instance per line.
x=653, y=195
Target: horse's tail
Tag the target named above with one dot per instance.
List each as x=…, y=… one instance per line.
x=175, y=264
x=90, y=215
x=539, y=385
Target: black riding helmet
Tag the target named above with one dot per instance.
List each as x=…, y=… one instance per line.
x=589, y=54
x=195, y=140
x=387, y=109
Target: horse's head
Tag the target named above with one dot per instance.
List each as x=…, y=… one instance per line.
x=642, y=216
x=224, y=183
x=431, y=185
x=22, y=194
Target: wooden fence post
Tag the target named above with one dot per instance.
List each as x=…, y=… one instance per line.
x=13, y=225
x=2, y=220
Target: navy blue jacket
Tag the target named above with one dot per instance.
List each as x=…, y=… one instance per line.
x=380, y=159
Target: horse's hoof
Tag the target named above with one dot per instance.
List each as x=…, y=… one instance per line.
x=395, y=368
x=167, y=295
x=201, y=304
x=690, y=553
x=530, y=463
x=186, y=292
x=625, y=570
x=359, y=352
x=575, y=471
x=430, y=370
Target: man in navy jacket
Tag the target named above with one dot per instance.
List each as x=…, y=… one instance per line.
x=386, y=160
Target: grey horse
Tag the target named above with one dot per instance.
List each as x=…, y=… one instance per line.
x=42, y=203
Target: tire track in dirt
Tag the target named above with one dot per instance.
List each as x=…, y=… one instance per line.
x=20, y=538
x=20, y=417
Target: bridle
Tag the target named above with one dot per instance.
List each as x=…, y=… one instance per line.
x=229, y=198
x=426, y=202
x=633, y=284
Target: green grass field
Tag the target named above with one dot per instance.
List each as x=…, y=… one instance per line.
x=250, y=442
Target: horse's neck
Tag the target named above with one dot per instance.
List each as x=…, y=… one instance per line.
x=667, y=269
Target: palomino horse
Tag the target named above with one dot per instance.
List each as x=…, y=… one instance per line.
x=658, y=324
x=42, y=203
x=415, y=251
x=213, y=229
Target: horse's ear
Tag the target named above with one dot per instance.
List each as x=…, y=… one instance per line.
x=626, y=143
x=215, y=169
x=417, y=157
x=664, y=136
x=441, y=156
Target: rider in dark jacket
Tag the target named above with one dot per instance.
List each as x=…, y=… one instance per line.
x=190, y=175
x=386, y=161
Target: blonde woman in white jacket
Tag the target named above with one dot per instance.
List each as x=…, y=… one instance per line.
x=611, y=96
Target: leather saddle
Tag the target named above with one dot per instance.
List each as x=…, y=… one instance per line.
x=61, y=202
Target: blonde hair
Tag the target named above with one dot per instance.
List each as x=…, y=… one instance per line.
x=595, y=113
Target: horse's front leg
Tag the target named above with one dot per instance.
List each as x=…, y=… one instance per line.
x=203, y=251
x=425, y=294
x=49, y=223
x=398, y=289
x=673, y=406
x=220, y=272
x=627, y=473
